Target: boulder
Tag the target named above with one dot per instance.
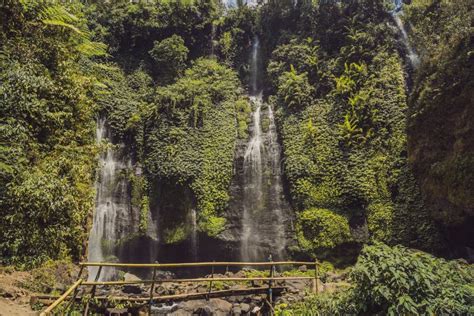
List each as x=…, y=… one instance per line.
x=130, y=277
x=214, y=306
x=131, y=289
x=245, y=307
x=236, y=310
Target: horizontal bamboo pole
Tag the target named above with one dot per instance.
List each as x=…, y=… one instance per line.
x=197, y=280
x=175, y=296
x=194, y=264
x=48, y=310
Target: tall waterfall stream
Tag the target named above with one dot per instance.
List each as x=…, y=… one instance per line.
x=112, y=204
x=263, y=221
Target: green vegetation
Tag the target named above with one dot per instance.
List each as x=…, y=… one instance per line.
x=375, y=150
x=169, y=58
x=47, y=149
x=321, y=229
x=398, y=281
x=342, y=114
x=440, y=108
x=191, y=134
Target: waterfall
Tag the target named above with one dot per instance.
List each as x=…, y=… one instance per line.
x=194, y=235
x=233, y=3
x=274, y=153
x=112, y=206
x=412, y=55
x=254, y=58
x=264, y=209
x=213, y=40
x=252, y=187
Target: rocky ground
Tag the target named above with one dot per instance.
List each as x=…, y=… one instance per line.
x=15, y=294
x=249, y=304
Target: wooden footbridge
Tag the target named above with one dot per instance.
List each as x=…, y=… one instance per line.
x=68, y=299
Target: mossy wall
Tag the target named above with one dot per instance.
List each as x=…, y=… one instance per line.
x=343, y=130
x=441, y=130
x=190, y=139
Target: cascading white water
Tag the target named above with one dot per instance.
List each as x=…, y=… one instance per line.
x=412, y=55
x=233, y=3
x=112, y=205
x=253, y=186
x=194, y=235
x=254, y=65
x=264, y=206
x=274, y=153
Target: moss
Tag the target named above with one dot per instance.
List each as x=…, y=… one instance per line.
x=138, y=185
x=321, y=229
x=265, y=124
x=242, y=110
x=379, y=220
x=212, y=225
x=144, y=215
x=175, y=235
x=191, y=141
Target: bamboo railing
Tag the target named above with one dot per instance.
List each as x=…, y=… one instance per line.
x=157, y=266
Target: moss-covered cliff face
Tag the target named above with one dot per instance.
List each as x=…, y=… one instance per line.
x=441, y=123
x=190, y=138
x=372, y=147
x=343, y=116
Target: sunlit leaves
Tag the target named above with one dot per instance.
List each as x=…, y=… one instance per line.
x=294, y=89
x=170, y=56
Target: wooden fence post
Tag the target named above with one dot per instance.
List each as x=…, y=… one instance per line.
x=270, y=282
x=315, y=280
x=152, y=288
x=210, y=283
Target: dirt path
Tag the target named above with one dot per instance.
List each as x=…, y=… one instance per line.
x=14, y=299
x=12, y=308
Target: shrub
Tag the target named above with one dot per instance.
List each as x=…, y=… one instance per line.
x=402, y=281
x=320, y=229
x=398, y=281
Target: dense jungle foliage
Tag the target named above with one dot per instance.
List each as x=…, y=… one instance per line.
x=375, y=149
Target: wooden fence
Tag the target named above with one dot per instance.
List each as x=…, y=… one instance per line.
x=73, y=290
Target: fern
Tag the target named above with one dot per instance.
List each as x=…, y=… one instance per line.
x=58, y=16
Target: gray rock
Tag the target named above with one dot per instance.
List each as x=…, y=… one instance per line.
x=203, y=311
x=214, y=306
x=131, y=289
x=245, y=307
x=303, y=268
x=236, y=310
x=130, y=277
